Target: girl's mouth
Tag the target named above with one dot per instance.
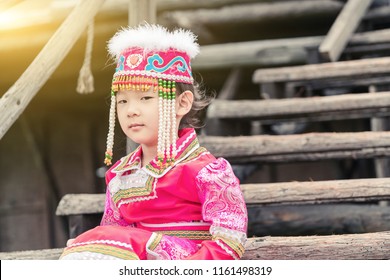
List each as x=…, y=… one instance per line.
x=135, y=125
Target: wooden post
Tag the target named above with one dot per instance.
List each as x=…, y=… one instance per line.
x=140, y=11
x=16, y=99
x=342, y=29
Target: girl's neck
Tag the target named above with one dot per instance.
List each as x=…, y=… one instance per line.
x=148, y=154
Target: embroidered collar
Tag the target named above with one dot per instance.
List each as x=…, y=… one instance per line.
x=187, y=144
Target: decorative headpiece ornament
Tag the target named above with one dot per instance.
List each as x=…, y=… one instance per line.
x=151, y=56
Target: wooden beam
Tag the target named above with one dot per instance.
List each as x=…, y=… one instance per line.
x=300, y=147
x=264, y=193
x=317, y=192
x=290, y=51
x=249, y=13
x=142, y=10
x=16, y=99
x=74, y=204
x=309, y=107
x=342, y=69
x=170, y=5
x=342, y=29
x=332, y=247
x=317, y=219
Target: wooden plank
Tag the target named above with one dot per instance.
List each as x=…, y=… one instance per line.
x=46, y=254
x=317, y=219
x=317, y=192
x=16, y=99
x=298, y=107
x=342, y=69
x=249, y=13
x=74, y=204
x=343, y=27
x=302, y=147
x=170, y=5
x=333, y=247
x=264, y=193
x=381, y=13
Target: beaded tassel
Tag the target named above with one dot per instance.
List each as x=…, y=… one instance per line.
x=166, y=147
x=161, y=126
x=111, y=128
x=168, y=122
x=173, y=118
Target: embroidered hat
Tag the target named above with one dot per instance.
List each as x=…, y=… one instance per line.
x=152, y=56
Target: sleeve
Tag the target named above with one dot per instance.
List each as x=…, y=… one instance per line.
x=224, y=207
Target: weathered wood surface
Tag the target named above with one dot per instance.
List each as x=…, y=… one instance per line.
x=142, y=10
x=73, y=204
x=343, y=27
x=332, y=247
x=311, y=108
x=300, y=147
x=251, y=12
x=16, y=99
x=318, y=219
x=341, y=69
x=264, y=193
x=381, y=13
x=45, y=254
x=317, y=192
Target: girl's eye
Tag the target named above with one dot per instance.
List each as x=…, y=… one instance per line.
x=122, y=101
x=146, y=97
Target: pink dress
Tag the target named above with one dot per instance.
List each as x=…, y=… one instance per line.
x=191, y=210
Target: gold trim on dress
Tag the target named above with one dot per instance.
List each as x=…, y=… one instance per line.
x=103, y=249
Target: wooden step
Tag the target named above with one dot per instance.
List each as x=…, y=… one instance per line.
x=372, y=189
x=318, y=219
x=84, y=211
x=342, y=69
x=279, y=52
x=299, y=147
x=333, y=247
x=326, y=108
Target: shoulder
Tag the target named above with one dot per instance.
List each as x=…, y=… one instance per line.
x=218, y=170
x=196, y=160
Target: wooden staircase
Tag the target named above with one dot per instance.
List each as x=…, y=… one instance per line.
x=279, y=105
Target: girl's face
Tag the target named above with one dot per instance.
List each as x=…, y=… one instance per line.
x=138, y=115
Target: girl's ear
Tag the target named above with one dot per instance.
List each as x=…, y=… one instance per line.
x=184, y=103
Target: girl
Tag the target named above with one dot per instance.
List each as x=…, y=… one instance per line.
x=169, y=199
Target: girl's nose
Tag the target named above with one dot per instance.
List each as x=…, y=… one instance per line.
x=132, y=110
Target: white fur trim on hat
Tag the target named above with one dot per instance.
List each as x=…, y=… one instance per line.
x=153, y=37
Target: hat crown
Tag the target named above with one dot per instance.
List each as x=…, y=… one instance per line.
x=152, y=37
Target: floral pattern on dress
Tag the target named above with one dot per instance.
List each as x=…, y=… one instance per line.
x=111, y=215
x=223, y=202
x=171, y=248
